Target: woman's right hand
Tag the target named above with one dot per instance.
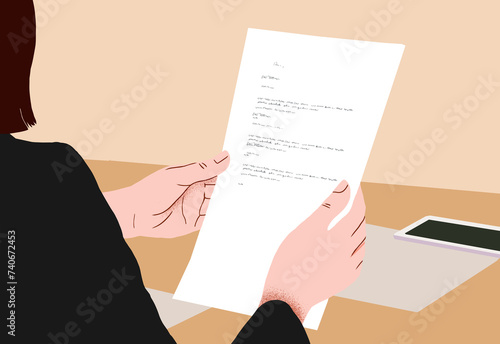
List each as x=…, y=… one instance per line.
x=314, y=263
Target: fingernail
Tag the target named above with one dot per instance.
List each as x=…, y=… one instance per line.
x=221, y=157
x=341, y=187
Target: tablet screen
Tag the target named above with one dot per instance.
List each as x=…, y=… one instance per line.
x=458, y=234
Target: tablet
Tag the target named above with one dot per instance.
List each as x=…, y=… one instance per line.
x=455, y=234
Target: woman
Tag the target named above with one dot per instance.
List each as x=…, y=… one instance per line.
x=73, y=279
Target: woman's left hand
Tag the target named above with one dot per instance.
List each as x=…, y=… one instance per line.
x=168, y=203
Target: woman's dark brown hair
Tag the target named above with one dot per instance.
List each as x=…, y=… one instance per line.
x=17, y=46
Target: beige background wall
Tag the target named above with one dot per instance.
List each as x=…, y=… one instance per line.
x=91, y=52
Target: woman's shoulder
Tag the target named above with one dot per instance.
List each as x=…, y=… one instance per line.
x=20, y=147
x=55, y=159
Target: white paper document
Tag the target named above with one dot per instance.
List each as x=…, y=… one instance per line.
x=305, y=114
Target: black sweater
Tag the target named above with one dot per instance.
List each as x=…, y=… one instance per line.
x=73, y=278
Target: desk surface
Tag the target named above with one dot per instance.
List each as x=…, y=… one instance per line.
x=469, y=314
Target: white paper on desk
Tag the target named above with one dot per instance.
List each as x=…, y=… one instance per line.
x=304, y=116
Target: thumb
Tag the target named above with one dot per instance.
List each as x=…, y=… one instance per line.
x=332, y=206
x=199, y=171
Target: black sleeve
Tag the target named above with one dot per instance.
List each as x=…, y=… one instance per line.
x=273, y=322
x=77, y=279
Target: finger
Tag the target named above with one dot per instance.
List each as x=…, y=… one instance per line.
x=357, y=259
x=193, y=198
x=359, y=246
x=199, y=222
x=332, y=206
x=204, y=206
x=195, y=172
x=360, y=231
x=348, y=224
x=209, y=188
x=359, y=265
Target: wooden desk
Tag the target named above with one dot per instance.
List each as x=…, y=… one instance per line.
x=470, y=314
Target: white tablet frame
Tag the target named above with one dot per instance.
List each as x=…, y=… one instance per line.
x=401, y=235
